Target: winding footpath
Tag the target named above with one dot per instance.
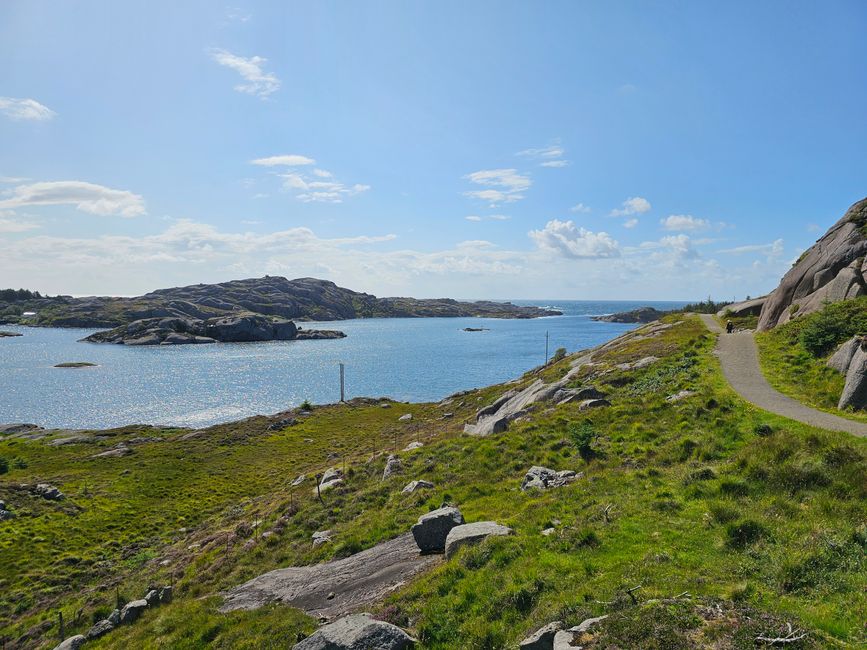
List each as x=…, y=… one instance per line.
x=740, y=364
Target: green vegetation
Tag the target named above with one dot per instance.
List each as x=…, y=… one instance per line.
x=794, y=355
x=16, y=295
x=758, y=518
x=708, y=306
x=746, y=322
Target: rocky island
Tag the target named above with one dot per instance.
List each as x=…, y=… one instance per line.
x=242, y=328
x=640, y=315
x=301, y=299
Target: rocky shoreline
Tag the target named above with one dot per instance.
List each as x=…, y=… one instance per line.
x=243, y=328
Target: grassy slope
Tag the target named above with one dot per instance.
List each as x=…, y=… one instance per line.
x=681, y=480
x=794, y=371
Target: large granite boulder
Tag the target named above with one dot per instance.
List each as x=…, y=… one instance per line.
x=841, y=359
x=855, y=390
x=132, y=610
x=832, y=269
x=469, y=534
x=752, y=307
x=332, y=478
x=72, y=643
x=542, y=478
x=415, y=486
x=543, y=638
x=47, y=491
x=101, y=628
x=357, y=632
x=392, y=466
x=433, y=528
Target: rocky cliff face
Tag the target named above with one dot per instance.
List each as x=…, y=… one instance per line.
x=833, y=269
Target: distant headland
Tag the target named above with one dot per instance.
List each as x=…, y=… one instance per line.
x=303, y=299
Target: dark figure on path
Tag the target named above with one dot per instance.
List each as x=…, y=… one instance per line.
x=730, y=327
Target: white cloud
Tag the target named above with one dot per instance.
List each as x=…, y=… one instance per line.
x=508, y=178
x=773, y=249
x=551, y=151
x=550, y=156
x=488, y=217
x=476, y=243
x=679, y=244
x=684, y=222
x=634, y=205
x=319, y=186
x=236, y=14
x=25, y=109
x=258, y=82
x=567, y=240
x=580, y=207
x=8, y=223
x=630, y=223
x=285, y=160
x=87, y=197
x=512, y=182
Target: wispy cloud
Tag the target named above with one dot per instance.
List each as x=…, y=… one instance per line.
x=630, y=223
x=634, y=205
x=580, y=208
x=256, y=80
x=550, y=156
x=317, y=186
x=8, y=223
x=86, y=197
x=25, y=109
x=503, y=185
x=487, y=217
x=285, y=160
x=565, y=239
x=772, y=249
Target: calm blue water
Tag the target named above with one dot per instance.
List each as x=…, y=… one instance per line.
x=410, y=359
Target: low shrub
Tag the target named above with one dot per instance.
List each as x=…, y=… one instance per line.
x=745, y=533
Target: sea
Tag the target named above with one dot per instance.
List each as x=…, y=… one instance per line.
x=406, y=359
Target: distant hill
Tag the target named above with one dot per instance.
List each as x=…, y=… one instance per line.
x=301, y=299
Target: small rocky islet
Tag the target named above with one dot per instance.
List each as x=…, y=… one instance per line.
x=242, y=328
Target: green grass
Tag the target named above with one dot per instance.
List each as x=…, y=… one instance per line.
x=793, y=356
x=707, y=495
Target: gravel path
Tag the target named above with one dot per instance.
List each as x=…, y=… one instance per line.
x=740, y=364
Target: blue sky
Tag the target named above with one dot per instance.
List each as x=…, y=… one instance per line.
x=634, y=150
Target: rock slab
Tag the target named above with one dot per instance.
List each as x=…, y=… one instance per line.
x=352, y=582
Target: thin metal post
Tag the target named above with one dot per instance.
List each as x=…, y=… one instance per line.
x=342, y=383
x=546, y=347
